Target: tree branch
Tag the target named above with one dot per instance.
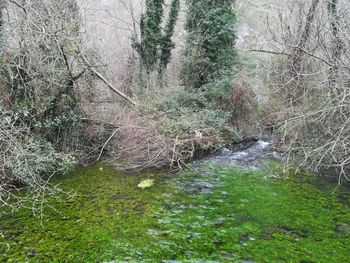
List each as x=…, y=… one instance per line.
x=111, y=86
x=269, y=52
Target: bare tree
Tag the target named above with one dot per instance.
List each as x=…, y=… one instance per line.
x=298, y=53
x=314, y=72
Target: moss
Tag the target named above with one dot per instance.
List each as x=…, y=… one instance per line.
x=106, y=207
x=267, y=220
x=212, y=213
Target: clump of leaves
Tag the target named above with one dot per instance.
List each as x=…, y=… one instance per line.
x=147, y=183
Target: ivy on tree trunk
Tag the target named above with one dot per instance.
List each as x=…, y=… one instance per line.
x=155, y=44
x=210, y=51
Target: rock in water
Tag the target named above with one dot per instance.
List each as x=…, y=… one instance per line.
x=343, y=228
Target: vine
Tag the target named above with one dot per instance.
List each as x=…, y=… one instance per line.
x=155, y=44
x=209, y=52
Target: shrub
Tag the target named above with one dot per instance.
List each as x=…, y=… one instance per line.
x=40, y=68
x=28, y=163
x=319, y=132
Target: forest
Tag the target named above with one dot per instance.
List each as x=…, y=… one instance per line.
x=174, y=131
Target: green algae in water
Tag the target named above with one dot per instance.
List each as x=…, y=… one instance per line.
x=249, y=216
x=107, y=207
x=214, y=214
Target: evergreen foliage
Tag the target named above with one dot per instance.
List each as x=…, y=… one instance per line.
x=210, y=52
x=167, y=44
x=151, y=33
x=211, y=103
x=155, y=45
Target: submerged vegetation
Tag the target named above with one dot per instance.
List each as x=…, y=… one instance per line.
x=212, y=213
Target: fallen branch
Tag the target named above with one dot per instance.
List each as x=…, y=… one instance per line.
x=105, y=144
x=114, y=89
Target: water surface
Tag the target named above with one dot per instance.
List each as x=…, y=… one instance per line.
x=212, y=213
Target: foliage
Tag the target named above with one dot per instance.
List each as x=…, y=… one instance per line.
x=209, y=63
x=211, y=123
x=155, y=45
x=151, y=33
x=27, y=161
x=171, y=132
x=59, y=123
x=222, y=111
x=39, y=74
x=209, y=52
x=166, y=44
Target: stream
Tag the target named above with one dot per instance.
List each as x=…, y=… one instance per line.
x=233, y=206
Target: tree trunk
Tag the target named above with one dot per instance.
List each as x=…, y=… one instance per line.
x=337, y=44
x=297, y=59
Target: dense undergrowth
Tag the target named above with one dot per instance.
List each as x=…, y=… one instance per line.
x=210, y=112
x=27, y=162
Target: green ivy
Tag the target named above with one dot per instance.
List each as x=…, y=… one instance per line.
x=210, y=103
x=58, y=120
x=167, y=44
x=209, y=52
x=155, y=45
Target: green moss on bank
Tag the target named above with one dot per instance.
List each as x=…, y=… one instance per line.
x=210, y=214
